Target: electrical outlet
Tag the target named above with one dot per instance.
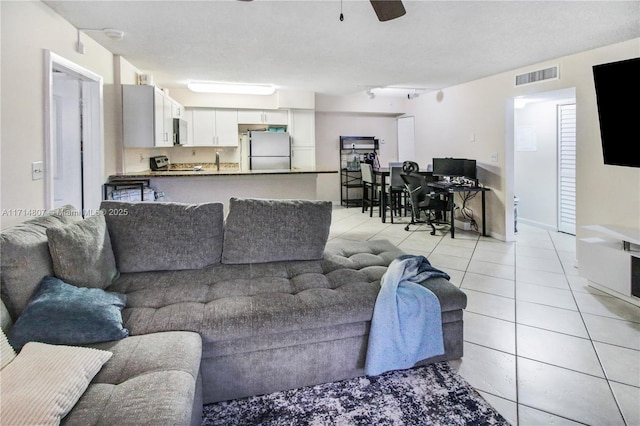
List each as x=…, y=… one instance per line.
x=494, y=157
x=382, y=141
x=37, y=170
x=193, y=152
x=472, y=137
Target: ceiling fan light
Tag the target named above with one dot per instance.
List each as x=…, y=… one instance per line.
x=230, y=88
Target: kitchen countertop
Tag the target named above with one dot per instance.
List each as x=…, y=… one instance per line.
x=209, y=172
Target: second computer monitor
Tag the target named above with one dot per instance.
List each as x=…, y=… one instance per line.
x=454, y=167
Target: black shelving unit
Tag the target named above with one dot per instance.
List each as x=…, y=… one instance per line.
x=351, y=180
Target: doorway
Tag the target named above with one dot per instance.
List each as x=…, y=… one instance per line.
x=544, y=159
x=74, y=145
x=406, y=138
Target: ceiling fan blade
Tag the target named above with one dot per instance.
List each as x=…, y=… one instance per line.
x=388, y=9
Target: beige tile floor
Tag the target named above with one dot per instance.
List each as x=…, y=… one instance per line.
x=541, y=346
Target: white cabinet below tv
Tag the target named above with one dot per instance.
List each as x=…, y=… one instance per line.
x=611, y=262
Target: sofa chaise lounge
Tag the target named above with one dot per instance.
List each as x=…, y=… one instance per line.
x=217, y=307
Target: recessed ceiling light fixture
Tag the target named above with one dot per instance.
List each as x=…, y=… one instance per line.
x=231, y=88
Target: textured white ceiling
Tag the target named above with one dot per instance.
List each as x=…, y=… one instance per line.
x=302, y=45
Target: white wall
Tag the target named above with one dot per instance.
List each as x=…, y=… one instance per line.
x=28, y=28
x=330, y=126
x=446, y=121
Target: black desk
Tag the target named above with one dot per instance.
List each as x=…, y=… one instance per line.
x=451, y=192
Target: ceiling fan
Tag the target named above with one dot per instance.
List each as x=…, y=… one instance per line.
x=385, y=9
x=388, y=9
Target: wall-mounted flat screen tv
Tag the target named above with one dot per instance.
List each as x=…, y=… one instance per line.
x=617, y=87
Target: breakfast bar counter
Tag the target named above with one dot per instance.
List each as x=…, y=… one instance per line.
x=147, y=174
x=211, y=185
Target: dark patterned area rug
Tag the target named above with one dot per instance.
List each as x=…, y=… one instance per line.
x=428, y=395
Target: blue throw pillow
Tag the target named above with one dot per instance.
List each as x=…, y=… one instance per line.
x=63, y=314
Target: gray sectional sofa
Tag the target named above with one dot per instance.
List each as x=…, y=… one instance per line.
x=217, y=307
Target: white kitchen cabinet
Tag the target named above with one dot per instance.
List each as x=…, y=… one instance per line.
x=214, y=127
x=269, y=116
x=303, y=139
x=302, y=127
x=147, y=118
x=177, y=110
x=303, y=157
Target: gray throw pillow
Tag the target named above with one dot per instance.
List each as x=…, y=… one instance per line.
x=81, y=253
x=63, y=314
x=25, y=256
x=159, y=236
x=261, y=230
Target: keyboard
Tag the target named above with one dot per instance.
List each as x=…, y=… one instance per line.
x=443, y=185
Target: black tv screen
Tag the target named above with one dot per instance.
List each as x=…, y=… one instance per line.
x=617, y=87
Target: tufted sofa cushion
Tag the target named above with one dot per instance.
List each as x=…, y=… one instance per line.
x=229, y=302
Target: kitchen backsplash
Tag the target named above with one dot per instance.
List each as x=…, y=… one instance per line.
x=137, y=159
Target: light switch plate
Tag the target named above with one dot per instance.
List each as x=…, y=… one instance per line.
x=37, y=170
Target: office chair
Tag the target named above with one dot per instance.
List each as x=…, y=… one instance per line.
x=423, y=200
x=410, y=166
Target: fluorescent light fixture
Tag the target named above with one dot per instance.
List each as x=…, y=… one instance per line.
x=230, y=88
x=400, y=91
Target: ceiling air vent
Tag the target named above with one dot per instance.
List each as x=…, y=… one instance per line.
x=538, y=76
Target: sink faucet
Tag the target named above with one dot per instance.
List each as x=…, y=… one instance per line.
x=217, y=161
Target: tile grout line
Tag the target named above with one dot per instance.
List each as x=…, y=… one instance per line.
x=515, y=327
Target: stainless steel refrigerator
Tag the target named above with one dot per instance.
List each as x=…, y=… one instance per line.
x=269, y=150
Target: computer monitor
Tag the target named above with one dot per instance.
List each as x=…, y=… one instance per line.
x=470, y=170
x=454, y=167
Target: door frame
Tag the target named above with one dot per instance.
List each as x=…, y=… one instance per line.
x=92, y=131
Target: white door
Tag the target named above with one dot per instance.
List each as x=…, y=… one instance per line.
x=406, y=140
x=567, y=168
x=74, y=135
x=67, y=141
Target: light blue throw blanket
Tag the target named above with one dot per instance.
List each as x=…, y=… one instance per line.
x=407, y=321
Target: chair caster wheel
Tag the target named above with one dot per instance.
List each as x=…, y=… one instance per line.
x=433, y=232
x=406, y=228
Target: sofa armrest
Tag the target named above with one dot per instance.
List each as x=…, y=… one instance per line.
x=150, y=379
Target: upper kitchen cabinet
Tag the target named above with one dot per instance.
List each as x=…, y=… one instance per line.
x=270, y=116
x=177, y=110
x=213, y=127
x=147, y=117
